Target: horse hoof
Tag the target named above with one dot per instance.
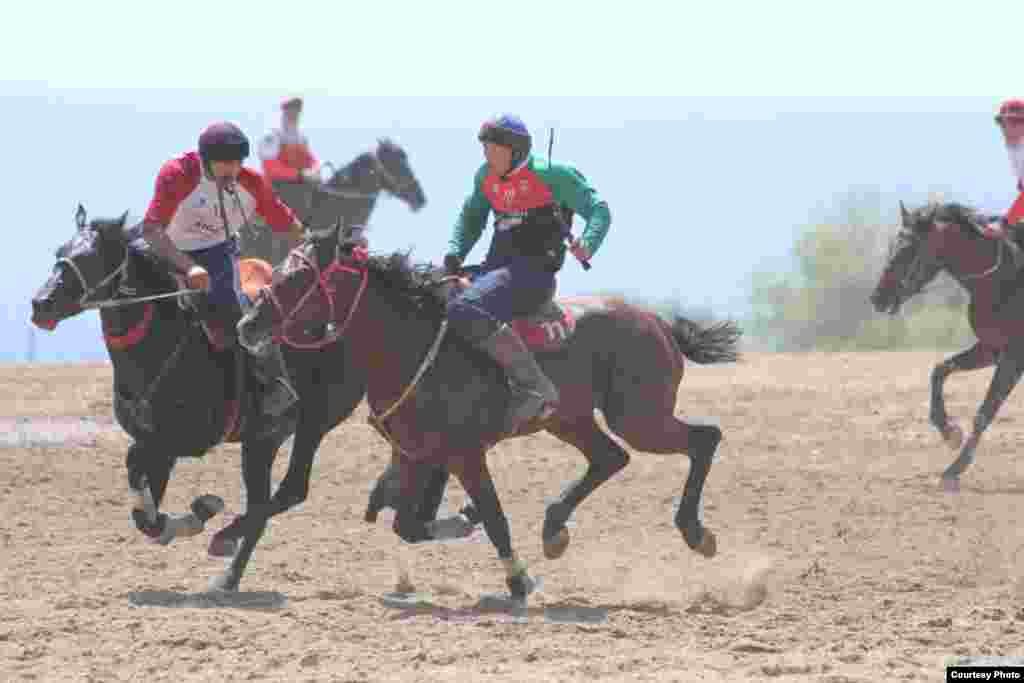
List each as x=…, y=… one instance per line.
x=207, y=506
x=708, y=544
x=370, y=517
x=951, y=484
x=223, y=583
x=221, y=548
x=953, y=436
x=520, y=586
x=554, y=547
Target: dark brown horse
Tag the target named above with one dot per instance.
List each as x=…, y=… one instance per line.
x=440, y=402
x=953, y=237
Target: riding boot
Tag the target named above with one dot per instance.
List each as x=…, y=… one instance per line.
x=278, y=392
x=533, y=393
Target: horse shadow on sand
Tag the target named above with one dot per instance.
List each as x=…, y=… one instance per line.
x=246, y=600
x=504, y=608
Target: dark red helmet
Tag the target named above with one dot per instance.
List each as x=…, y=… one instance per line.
x=291, y=103
x=223, y=141
x=1010, y=110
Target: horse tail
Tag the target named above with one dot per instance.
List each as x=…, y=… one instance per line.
x=713, y=344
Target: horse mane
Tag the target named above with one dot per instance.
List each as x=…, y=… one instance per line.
x=347, y=174
x=412, y=286
x=966, y=217
x=153, y=271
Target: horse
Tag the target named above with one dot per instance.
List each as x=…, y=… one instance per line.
x=440, y=402
x=177, y=394
x=955, y=238
x=349, y=196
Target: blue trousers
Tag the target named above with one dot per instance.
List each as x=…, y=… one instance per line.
x=513, y=290
x=225, y=296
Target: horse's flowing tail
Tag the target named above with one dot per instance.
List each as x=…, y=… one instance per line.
x=713, y=344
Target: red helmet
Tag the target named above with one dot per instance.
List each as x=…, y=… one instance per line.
x=223, y=141
x=291, y=103
x=1010, y=110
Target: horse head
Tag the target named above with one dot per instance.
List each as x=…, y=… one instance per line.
x=309, y=291
x=351, y=192
x=86, y=268
x=933, y=238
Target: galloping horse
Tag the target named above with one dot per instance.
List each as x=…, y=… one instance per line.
x=195, y=395
x=950, y=237
x=440, y=402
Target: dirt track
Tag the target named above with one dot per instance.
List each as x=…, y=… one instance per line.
x=840, y=558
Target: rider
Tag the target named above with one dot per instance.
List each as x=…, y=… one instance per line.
x=201, y=200
x=1010, y=120
x=528, y=196
x=288, y=162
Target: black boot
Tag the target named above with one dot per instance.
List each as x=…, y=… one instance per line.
x=533, y=394
x=278, y=393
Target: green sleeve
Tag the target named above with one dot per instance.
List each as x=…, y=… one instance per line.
x=472, y=219
x=571, y=189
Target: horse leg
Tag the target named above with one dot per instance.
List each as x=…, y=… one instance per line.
x=475, y=476
x=974, y=358
x=327, y=396
x=407, y=523
x=604, y=459
x=668, y=434
x=386, y=490
x=149, y=471
x=257, y=460
x=433, y=494
x=313, y=424
x=1009, y=368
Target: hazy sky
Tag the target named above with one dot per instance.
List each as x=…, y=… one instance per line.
x=713, y=131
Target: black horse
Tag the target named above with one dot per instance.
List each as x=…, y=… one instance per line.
x=177, y=395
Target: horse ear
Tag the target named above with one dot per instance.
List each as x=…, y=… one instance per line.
x=904, y=214
x=80, y=217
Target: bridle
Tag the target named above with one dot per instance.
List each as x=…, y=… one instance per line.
x=322, y=282
x=87, y=292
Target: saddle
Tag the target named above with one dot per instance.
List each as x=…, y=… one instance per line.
x=254, y=274
x=547, y=329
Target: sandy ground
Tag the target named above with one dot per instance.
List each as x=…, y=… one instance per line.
x=840, y=558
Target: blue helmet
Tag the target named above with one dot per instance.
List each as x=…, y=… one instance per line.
x=508, y=130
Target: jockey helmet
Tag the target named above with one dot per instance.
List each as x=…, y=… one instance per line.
x=223, y=141
x=294, y=103
x=1010, y=110
x=508, y=130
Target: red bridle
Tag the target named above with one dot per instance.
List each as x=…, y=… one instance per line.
x=322, y=282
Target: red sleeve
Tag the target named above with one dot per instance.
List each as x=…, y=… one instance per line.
x=275, y=212
x=275, y=169
x=1016, y=213
x=173, y=184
